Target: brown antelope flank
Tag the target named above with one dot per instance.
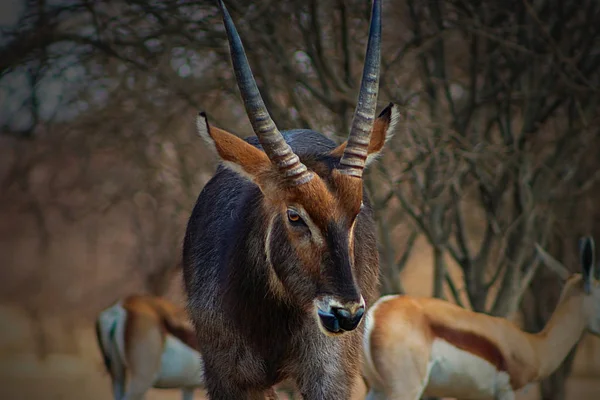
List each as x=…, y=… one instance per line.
x=149, y=342
x=418, y=346
x=280, y=255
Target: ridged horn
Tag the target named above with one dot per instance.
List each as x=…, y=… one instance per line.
x=356, y=151
x=273, y=143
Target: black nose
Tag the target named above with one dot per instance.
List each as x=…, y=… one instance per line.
x=348, y=320
x=341, y=319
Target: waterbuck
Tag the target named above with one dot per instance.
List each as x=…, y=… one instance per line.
x=280, y=254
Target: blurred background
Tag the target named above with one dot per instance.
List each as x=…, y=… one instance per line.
x=100, y=164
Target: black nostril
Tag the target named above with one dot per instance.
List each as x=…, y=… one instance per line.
x=359, y=313
x=341, y=313
x=348, y=321
x=329, y=321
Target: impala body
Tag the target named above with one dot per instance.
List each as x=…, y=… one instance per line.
x=280, y=255
x=149, y=342
x=418, y=346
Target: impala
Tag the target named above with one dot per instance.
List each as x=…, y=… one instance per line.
x=149, y=342
x=418, y=346
x=280, y=254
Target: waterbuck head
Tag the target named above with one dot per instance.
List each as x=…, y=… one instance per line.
x=311, y=202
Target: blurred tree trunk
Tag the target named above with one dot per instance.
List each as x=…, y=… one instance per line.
x=157, y=282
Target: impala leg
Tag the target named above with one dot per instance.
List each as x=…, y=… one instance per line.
x=119, y=387
x=117, y=375
x=143, y=356
x=401, y=371
x=187, y=393
x=406, y=381
x=408, y=389
x=506, y=395
x=116, y=372
x=137, y=386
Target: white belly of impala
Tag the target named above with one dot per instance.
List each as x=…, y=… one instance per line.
x=180, y=366
x=458, y=373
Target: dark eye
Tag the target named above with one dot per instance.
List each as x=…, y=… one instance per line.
x=294, y=218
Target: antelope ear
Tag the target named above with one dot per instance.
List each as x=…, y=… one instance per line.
x=384, y=128
x=236, y=154
x=587, y=260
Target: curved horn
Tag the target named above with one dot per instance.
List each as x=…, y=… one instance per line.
x=356, y=151
x=276, y=148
